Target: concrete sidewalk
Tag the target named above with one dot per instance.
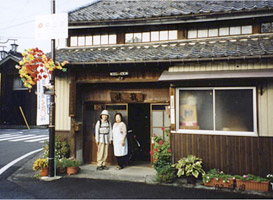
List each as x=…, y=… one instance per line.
x=138, y=173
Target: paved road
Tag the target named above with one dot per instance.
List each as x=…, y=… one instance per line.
x=15, y=143
x=75, y=188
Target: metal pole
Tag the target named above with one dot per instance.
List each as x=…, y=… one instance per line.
x=51, y=155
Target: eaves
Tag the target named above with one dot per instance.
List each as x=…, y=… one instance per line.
x=171, y=61
x=166, y=20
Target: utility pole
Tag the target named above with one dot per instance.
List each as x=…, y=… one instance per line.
x=51, y=155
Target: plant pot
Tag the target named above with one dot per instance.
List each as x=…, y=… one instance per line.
x=219, y=183
x=191, y=180
x=72, y=170
x=44, y=171
x=61, y=170
x=252, y=185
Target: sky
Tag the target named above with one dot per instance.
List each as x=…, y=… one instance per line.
x=18, y=21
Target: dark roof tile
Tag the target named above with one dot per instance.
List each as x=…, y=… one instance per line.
x=124, y=9
x=236, y=46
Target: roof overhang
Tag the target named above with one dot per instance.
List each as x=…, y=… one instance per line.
x=10, y=57
x=175, y=76
x=161, y=21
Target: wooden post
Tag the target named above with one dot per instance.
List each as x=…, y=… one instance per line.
x=21, y=110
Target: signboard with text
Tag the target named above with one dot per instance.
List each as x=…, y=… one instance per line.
x=43, y=103
x=54, y=26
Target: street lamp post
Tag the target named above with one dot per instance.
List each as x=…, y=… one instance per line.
x=51, y=156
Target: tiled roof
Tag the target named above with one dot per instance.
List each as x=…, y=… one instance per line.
x=105, y=10
x=240, y=46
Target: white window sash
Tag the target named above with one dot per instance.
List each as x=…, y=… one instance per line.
x=214, y=131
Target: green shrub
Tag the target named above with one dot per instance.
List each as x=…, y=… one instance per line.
x=162, y=157
x=217, y=174
x=189, y=166
x=62, y=149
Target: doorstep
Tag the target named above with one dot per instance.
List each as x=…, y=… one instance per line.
x=141, y=174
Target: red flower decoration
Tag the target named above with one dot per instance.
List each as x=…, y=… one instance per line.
x=156, y=149
x=160, y=142
x=162, y=128
x=152, y=153
x=169, y=150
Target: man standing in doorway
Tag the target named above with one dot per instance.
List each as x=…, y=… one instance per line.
x=104, y=137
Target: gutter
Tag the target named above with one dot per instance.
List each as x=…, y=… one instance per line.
x=174, y=60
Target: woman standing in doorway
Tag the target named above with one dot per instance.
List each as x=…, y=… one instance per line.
x=120, y=141
x=103, y=136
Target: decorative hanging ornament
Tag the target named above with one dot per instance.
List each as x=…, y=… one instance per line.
x=35, y=66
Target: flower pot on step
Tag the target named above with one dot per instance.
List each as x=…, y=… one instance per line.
x=72, y=170
x=252, y=185
x=61, y=170
x=44, y=171
x=220, y=183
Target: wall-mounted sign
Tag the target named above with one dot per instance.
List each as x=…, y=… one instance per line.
x=54, y=26
x=126, y=97
x=119, y=73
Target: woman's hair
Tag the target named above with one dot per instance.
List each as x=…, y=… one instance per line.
x=119, y=115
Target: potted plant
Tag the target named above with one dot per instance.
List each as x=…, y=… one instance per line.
x=72, y=165
x=251, y=182
x=162, y=157
x=42, y=165
x=62, y=149
x=269, y=177
x=60, y=166
x=191, y=167
x=217, y=178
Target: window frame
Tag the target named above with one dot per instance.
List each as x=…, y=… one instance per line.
x=196, y=31
x=214, y=131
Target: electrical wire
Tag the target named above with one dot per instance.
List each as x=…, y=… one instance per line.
x=16, y=25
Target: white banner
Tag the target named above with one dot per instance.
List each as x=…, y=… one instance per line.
x=54, y=26
x=43, y=103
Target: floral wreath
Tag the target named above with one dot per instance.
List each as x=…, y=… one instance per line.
x=35, y=66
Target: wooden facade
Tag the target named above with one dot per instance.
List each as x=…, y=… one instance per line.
x=95, y=81
x=232, y=154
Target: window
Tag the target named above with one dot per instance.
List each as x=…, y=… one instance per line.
x=152, y=36
x=160, y=119
x=18, y=84
x=73, y=41
x=81, y=41
x=202, y=33
x=226, y=111
x=267, y=27
x=90, y=40
x=146, y=37
x=221, y=31
x=163, y=35
x=236, y=30
x=129, y=38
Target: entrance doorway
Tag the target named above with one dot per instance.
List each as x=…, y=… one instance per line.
x=139, y=123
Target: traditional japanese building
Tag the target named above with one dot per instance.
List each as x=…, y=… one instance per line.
x=202, y=69
x=17, y=104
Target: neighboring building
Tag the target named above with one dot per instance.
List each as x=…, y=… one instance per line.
x=202, y=68
x=13, y=94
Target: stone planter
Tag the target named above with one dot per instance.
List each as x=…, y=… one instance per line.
x=219, y=183
x=252, y=185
